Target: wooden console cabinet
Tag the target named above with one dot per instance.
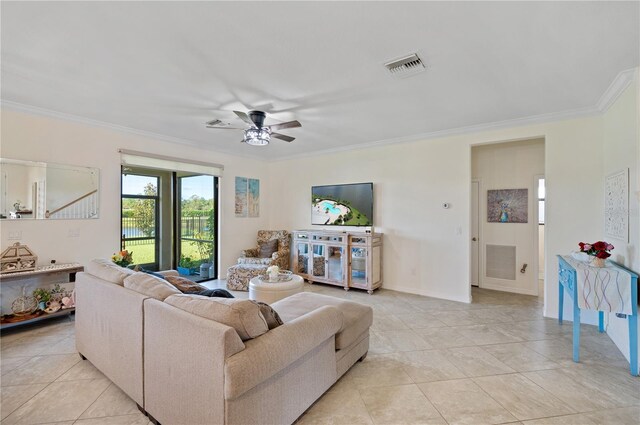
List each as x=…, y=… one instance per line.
x=50, y=274
x=346, y=259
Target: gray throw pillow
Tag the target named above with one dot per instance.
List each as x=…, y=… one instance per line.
x=267, y=248
x=270, y=315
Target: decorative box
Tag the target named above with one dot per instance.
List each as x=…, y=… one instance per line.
x=17, y=258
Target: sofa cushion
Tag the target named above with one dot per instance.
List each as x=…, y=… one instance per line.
x=267, y=248
x=185, y=285
x=150, y=286
x=242, y=315
x=357, y=317
x=108, y=270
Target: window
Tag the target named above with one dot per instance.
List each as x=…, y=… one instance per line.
x=140, y=212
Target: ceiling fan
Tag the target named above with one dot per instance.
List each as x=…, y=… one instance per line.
x=258, y=134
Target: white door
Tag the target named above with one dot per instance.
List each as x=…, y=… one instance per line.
x=475, y=229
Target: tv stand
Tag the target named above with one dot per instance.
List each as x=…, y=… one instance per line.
x=341, y=258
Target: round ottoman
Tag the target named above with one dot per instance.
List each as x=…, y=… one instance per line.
x=267, y=292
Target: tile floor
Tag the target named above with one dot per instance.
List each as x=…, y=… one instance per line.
x=430, y=362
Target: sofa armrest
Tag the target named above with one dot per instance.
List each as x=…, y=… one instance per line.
x=281, y=253
x=272, y=352
x=166, y=273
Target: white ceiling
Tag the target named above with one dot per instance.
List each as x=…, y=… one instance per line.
x=166, y=68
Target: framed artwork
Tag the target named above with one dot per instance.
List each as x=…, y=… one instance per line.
x=247, y=202
x=254, y=198
x=507, y=206
x=241, y=196
x=616, y=205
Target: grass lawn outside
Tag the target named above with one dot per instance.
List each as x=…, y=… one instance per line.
x=145, y=253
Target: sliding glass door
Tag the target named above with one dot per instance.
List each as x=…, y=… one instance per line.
x=196, y=226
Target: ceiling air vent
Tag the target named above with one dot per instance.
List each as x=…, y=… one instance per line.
x=406, y=66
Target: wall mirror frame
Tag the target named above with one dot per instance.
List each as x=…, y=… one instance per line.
x=45, y=190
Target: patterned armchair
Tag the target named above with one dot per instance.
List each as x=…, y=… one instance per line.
x=279, y=258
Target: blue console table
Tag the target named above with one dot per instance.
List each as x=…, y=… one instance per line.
x=568, y=281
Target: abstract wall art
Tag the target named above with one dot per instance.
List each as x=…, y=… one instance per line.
x=247, y=201
x=253, y=200
x=241, y=197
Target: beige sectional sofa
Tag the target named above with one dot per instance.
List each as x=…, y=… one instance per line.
x=181, y=367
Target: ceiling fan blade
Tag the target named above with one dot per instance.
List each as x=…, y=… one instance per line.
x=290, y=124
x=283, y=137
x=244, y=117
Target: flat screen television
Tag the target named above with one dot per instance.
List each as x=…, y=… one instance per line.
x=342, y=205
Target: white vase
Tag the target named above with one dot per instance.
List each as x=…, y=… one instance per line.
x=273, y=276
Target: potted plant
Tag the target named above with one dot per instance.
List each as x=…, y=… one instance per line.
x=186, y=265
x=42, y=295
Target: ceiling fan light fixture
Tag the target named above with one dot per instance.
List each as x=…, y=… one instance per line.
x=257, y=136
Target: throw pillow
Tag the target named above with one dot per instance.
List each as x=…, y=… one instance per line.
x=220, y=293
x=242, y=315
x=184, y=285
x=270, y=315
x=267, y=248
x=150, y=286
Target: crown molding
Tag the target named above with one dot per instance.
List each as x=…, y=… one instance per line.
x=497, y=125
x=615, y=89
x=35, y=110
x=608, y=98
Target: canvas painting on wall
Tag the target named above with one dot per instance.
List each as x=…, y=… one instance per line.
x=507, y=206
x=253, y=199
x=241, y=197
x=616, y=205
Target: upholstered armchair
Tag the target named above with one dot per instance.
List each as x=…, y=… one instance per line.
x=280, y=257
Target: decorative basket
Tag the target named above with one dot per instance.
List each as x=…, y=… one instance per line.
x=17, y=258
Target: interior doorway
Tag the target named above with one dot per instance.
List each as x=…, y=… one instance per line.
x=504, y=211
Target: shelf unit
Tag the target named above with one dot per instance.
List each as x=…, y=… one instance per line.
x=60, y=272
x=346, y=259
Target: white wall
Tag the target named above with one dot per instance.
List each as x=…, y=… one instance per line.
x=38, y=138
x=510, y=166
x=621, y=137
x=426, y=247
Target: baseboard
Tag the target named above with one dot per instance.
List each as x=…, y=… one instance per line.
x=418, y=291
x=522, y=291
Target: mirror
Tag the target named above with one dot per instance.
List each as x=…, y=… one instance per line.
x=39, y=190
